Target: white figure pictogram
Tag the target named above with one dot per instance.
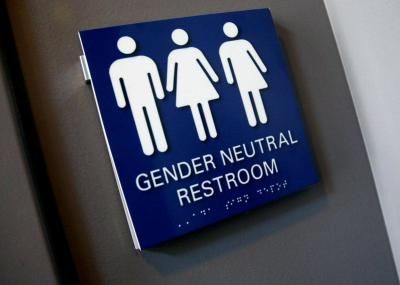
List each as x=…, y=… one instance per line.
x=138, y=76
x=242, y=63
x=190, y=69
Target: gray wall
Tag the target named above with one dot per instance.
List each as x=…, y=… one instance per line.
x=332, y=234
x=24, y=251
x=368, y=37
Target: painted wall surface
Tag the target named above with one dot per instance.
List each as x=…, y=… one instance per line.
x=331, y=234
x=368, y=37
x=23, y=243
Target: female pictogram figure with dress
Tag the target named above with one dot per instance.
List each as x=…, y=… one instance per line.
x=193, y=85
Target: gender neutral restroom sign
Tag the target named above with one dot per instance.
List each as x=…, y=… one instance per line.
x=200, y=118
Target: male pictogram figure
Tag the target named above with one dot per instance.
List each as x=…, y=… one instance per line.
x=247, y=69
x=137, y=74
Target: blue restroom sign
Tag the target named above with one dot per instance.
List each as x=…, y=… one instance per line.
x=200, y=118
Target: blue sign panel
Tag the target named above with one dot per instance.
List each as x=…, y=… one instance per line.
x=200, y=117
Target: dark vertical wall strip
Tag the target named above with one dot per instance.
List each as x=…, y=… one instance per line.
x=44, y=196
